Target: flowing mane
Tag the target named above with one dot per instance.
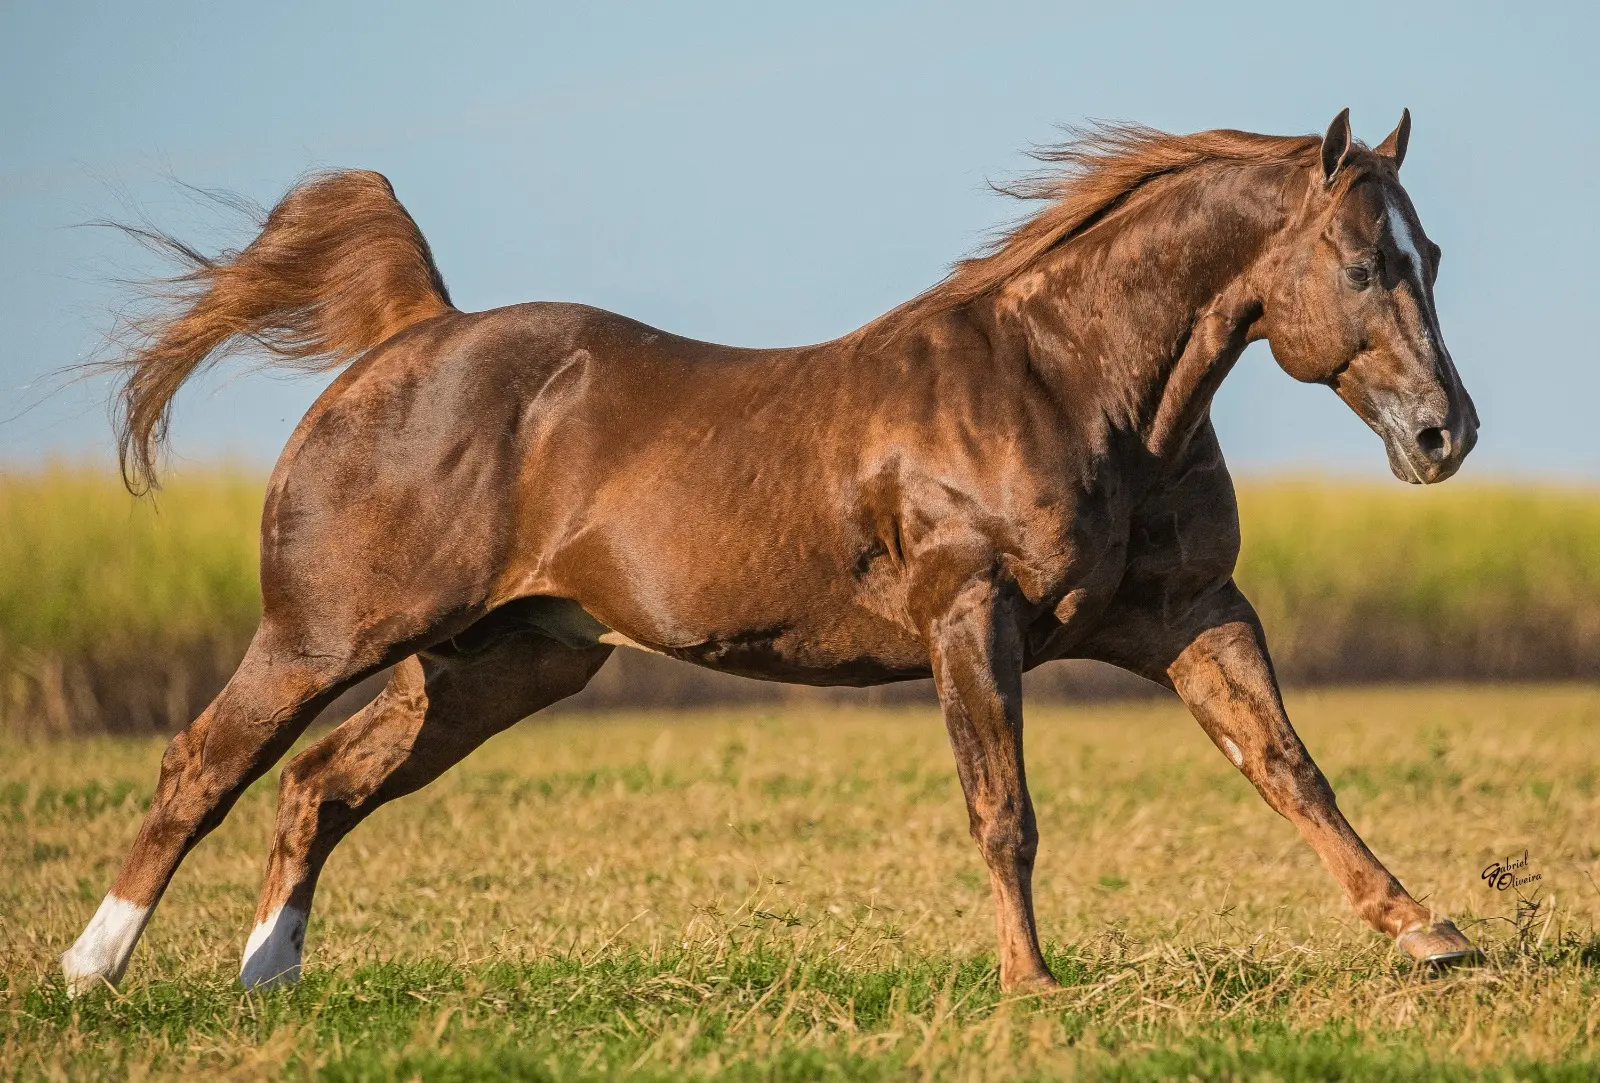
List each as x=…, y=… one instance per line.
x=1097, y=169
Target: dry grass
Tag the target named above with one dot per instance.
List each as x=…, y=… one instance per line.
x=794, y=896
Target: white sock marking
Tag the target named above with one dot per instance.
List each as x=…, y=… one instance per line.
x=101, y=953
x=272, y=954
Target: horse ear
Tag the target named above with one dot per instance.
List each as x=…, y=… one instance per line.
x=1336, y=146
x=1394, y=145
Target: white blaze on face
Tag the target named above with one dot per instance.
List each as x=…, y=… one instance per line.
x=1400, y=230
x=272, y=954
x=101, y=954
x=1406, y=242
x=1233, y=752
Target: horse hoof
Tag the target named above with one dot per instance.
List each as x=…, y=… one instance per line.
x=1439, y=945
x=83, y=982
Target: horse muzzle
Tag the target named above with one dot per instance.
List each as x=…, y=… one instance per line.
x=1424, y=452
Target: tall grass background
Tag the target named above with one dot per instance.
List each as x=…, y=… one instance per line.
x=127, y=616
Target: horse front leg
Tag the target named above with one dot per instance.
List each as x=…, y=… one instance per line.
x=1224, y=676
x=976, y=654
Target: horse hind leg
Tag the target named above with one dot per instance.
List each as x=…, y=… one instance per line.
x=269, y=701
x=433, y=713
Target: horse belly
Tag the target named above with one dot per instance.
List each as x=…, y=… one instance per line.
x=799, y=621
x=851, y=647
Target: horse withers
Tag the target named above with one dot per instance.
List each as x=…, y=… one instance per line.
x=1016, y=466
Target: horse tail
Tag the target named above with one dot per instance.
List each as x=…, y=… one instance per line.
x=338, y=267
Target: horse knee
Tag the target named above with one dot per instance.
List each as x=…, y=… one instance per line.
x=1006, y=836
x=1291, y=780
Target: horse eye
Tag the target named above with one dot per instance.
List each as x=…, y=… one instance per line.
x=1358, y=275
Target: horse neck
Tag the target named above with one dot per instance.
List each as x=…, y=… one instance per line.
x=1134, y=323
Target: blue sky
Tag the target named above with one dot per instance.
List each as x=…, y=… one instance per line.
x=773, y=174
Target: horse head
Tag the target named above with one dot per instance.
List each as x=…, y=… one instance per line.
x=1351, y=306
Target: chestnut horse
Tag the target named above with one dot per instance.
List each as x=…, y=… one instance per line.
x=1016, y=466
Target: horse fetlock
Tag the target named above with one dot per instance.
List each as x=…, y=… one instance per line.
x=1028, y=978
x=272, y=954
x=1022, y=965
x=1385, y=906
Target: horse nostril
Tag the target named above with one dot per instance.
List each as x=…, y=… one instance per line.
x=1435, y=443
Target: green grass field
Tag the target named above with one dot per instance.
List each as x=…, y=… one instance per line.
x=120, y=614
x=792, y=895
